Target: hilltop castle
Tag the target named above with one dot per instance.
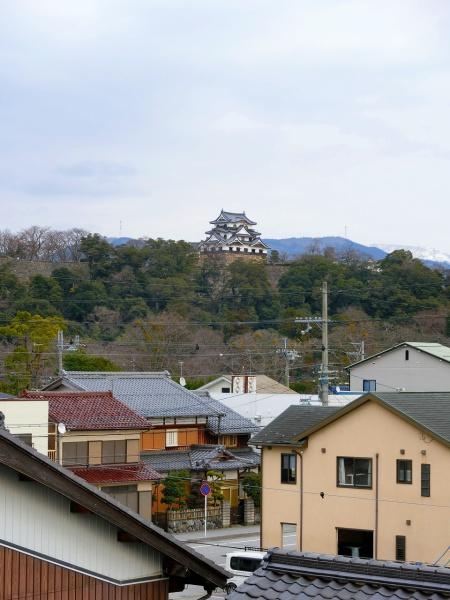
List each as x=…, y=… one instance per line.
x=232, y=233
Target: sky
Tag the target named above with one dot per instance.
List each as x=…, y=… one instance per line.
x=146, y=117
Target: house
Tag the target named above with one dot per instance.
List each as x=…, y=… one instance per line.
x=27, y=420
x=60, y=537
x=290, y=575
x=369, y=479
x=233, y=234
x=100, y=442
x=409, y=366
x=201, y=459
x=181, y=419
x=243, y=384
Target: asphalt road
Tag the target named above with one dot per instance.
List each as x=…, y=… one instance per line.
x=216, y=551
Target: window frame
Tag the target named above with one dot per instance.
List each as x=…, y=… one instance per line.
x=76, y=463
x=400, y=548
x=405, y=471
x=425, y=488
x=370, y=382
x=116, y=454
x=353, y=485
x=174, y=433
x=289, y=479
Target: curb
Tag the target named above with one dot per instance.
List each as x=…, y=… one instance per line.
x=218, y=537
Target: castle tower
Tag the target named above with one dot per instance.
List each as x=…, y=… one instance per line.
x=233, y=233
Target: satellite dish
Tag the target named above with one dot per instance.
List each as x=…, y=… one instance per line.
x=338, y=389
x=61, y=428
x=182, y=381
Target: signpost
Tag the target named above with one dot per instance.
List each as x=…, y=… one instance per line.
x=205, y=490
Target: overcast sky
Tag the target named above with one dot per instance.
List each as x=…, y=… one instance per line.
x=309, y=115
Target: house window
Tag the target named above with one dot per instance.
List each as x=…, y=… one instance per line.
x=125, y=494
x=75, y=453
x=404, y=471
x=406, y=354
x=171, y=438
x=425, y=476
x=225, y=390
x=114, y=451
x=288, y=468
x=230, y=441
x=400, y=547
x=354, y=472
x=369, y=385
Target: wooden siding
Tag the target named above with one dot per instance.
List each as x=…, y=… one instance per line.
x=187, y=436
x=25, y=577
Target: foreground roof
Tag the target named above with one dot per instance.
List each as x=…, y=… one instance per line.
x=216, y=457
x=298, y=576
x=288, y=426
x=150, y=394
x=37, y=467
x=89, y=410
x=433, y=348
x=117, y=474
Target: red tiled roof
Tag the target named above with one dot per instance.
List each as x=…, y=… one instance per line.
x=117, y=473
x=89, y=410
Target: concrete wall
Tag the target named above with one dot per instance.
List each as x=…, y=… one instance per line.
x=364, y=432
x=421, y=373
x=28, y=416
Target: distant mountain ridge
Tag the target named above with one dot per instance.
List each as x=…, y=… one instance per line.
x=296, y=246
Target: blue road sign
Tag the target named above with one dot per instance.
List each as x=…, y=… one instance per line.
x=205, y=489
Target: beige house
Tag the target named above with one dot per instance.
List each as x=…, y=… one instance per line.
x=368, y=480
x=100, y=442
x=407, y=367
x=27, y=420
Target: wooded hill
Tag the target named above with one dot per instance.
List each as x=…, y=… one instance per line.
x=156, y=305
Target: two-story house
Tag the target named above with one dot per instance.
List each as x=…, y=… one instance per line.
x=183, y=422
x=406, y=367
x=98, y=438
x=367, y=480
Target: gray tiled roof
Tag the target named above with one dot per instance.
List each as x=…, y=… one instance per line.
x=149, y=394
x=291, y=423
x=231, y=422
x=193, y=459
x=300, y=576
x=430, y=410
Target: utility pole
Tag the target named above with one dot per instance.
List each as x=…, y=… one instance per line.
x=323, y=391
x=289, y=356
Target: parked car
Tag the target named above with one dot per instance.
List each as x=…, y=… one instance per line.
x=241, y=563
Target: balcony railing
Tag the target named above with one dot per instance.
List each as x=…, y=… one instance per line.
x=52, y=454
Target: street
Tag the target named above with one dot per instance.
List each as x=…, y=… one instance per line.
x=216, y=547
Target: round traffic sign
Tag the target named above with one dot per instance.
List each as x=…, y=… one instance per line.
x=205, y=489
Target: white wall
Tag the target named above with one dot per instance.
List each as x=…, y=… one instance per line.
x=38, y=519
x=27, y=416
x=421, y=373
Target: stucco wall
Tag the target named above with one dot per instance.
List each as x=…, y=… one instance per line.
x=421, y=373
x=368, y=430
x=28, y=416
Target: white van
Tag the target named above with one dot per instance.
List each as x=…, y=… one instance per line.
x=241, y=563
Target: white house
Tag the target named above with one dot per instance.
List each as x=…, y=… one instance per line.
x=409, y=367
x=27, y=420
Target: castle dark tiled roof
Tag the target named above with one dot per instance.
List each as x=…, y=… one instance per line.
x=117, y=474
x=301, y=576
x=89, y=410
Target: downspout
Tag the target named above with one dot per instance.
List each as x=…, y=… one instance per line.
x=262, y=501
x=376, y=505
x=300, y=526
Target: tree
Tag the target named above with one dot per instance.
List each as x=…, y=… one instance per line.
x=251, y=483
x=80, y=361
x=175, y=487
x=214, y=479
x=33, y=337
x=99, y=255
